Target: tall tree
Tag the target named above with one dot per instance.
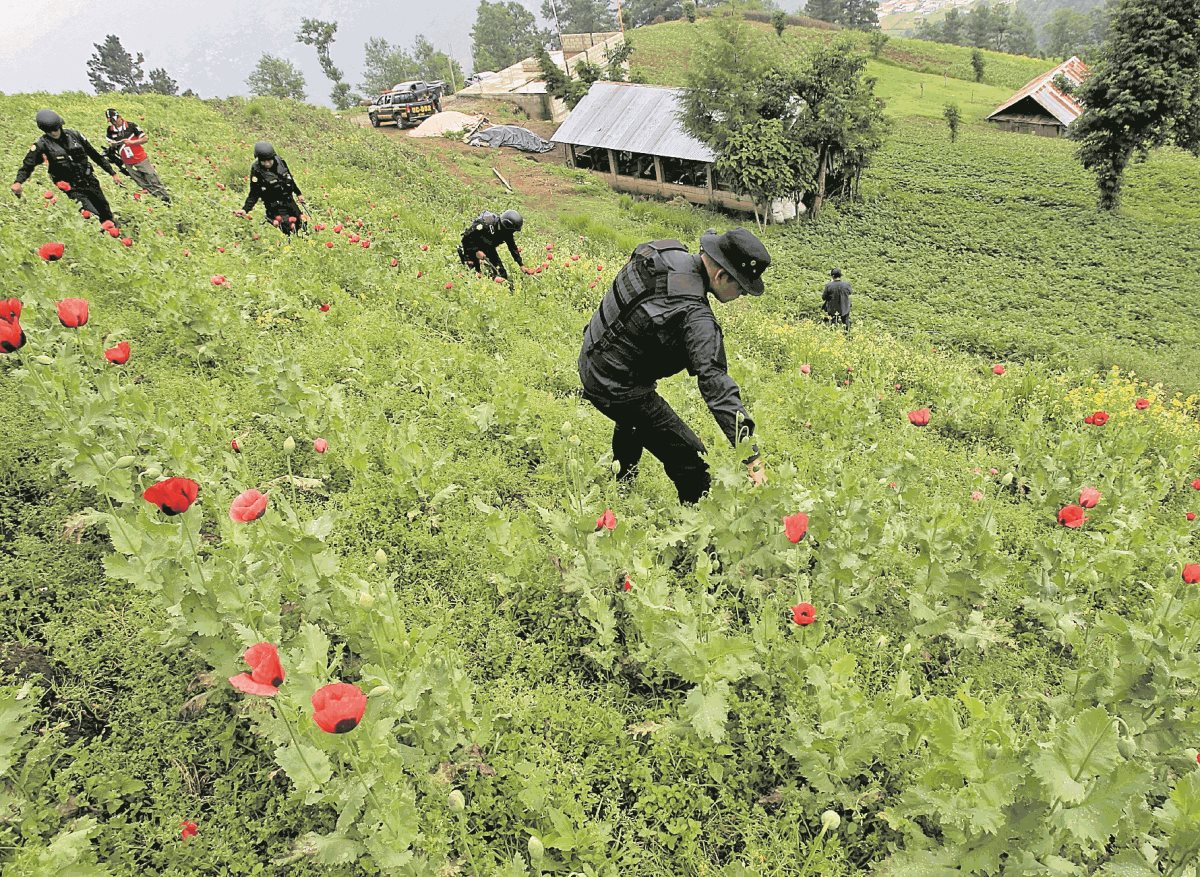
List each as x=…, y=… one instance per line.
x=112, y=68
x=504, y=33
x=432, y=63
x=641, y=12
x=825, y=10
x=161, y=83
x=314, y=32
x=857, y=14
x=1143, y=93
x=276, y=77
x=384, y=65
x=580, y=16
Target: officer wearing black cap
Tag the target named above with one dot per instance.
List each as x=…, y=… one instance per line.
x=656, y=321
x=835, y=299
x=66, y=154
x=482, y=238
x=273, y=183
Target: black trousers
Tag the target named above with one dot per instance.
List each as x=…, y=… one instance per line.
x=649, y=423
x=89, y=196
x=467, y=257
x=285, y=216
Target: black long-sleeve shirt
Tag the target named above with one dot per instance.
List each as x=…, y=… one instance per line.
x=672, y=329
x=835, y=299
x=273, y=185
x=485, y=233
x=66, y=159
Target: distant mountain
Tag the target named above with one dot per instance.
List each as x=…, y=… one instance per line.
x=212, y=46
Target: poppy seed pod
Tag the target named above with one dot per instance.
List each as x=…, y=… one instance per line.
x=830, y=821
x=289, y=445
x=456, y=801
x=381, y=557
x=536, y=849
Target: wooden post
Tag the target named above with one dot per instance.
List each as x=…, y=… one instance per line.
x=658, y=173
x=612, y=164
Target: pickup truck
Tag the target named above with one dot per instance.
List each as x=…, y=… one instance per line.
x=408, y=104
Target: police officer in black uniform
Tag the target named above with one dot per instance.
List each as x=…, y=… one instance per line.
x=482, y=238
x=656, y=321
x=66, y=153
x=273, y=183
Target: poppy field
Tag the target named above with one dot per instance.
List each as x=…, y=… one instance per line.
x=313, y=562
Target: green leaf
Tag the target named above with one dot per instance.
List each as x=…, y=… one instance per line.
x=1085, y=748
x=1098, y=817
x=334, y=849
x=307, y=767
x=708, y=711
x=15, y=717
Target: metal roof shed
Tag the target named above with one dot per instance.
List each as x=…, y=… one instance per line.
x=1041, y=107
x=632, y=134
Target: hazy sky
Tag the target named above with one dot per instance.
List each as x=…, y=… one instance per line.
x=212, y=46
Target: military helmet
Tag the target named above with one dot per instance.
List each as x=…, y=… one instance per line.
x=510, y=220
x=48, y=120
x=263, y=149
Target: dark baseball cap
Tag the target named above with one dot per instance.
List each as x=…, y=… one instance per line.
x=740, y=253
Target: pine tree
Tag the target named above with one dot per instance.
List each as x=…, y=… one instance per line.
x=314, y=32
x=1143, y=93
x=112, y=68
x=825, y=10
x=161, y=83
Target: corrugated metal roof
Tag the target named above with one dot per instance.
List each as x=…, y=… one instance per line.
x=637, y=118
x=1063, y=107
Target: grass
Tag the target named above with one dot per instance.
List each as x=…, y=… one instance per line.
x=986, y=250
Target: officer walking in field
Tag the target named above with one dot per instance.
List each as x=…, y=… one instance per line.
x=126, y=139
x=656, y=321
x=483, y=237
x=273, y=184
x=835, y=300
x=66, y=154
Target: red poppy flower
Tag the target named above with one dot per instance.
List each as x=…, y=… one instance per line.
x=118, y=355
x=12, y=337
x=250, y=505
x=997, y=369
x=628, y=584
x=51, y=252
x=86, y=214
x=795, y=526
x=1088, y=497
x=127, y=242
x=266, y=673
x=217, y=280
x=10, y=309
x=64, y=185
x=804, y=614
x=448, y=285
x=1098, y=418
x=1191, y=516
x=424, y=248
x=1196, y=484
x=920, y=417
x=173, y=495
x=337, y=229
x=329, y=245
x=339, y=707
x=114, y=232
x=320, y=226
x=353, y=239
x=188, y=829
x=324, y=307
x=805, y=368
x=394, y=262
x=366, y=244
x=236, y=445
x=607, y=521
x=73, y=312
x=1191, y=573
x=49, y=196
x=1071, y=516
x=1141, y=404
x=320, y=445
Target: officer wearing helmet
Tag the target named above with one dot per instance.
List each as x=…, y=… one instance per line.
x=273, y=184
x=66, y=154
x=656, y=321
x=483, y=237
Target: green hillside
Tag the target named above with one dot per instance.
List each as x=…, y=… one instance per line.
x=982, y=687
x=948, y=237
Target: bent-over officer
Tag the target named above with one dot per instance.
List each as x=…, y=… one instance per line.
x=656, y=321
x=835, y=299
x=273, y=184
x=66, y=154
x=482, y=238
x=127, y=140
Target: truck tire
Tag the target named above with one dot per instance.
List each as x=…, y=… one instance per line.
x=374, y=120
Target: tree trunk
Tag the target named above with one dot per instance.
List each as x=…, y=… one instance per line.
x=819, y=196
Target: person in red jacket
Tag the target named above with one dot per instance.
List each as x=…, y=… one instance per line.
x=127, y=140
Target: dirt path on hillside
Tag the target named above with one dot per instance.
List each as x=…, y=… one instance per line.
x=548, y=192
